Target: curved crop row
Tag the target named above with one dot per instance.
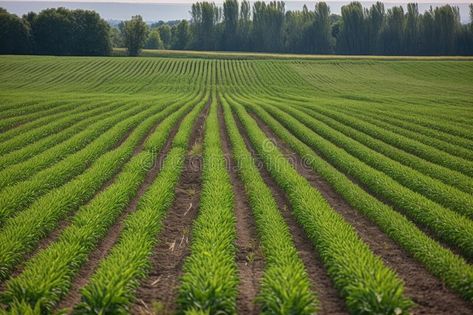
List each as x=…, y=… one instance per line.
x=437, y=124
x=21, y=233
x=441, y=262
x=367, y=285
x=409, y=145
x=285, y=287
x=447, y=196
x=433, y=142
x=60, y=110
x=23, y=171
x=38, y=147
x=47, y=277
x=447, y=225
x=111, y=289
x=18, y=108
x=398, y=119
x=450, y=177
x=14, y=199
x=23, y=135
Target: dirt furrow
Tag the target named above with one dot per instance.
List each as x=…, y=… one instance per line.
x=104, y=246
x=330, y=301
x=429, y=293
x=158, y=292
x=250, y=260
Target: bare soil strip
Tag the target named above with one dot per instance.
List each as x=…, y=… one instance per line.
x=158, y=292
x=104, y=246
x=428, y=292
x=250, y=259
x=330, y=301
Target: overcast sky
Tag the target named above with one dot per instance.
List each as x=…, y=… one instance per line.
x=167, y=10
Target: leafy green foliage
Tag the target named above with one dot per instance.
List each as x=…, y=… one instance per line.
x=285, y=287
x=75, y=133
x=209, y=281
x=134, y=34
x=367, y=285
x=111, y=289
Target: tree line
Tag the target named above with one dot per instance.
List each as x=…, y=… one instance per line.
x=55, y=32
x=240, y=26
x=267, y=27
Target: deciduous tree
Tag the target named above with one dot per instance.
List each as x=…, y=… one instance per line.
x=134, y=34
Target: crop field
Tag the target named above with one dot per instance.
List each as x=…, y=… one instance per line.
x=235, y=185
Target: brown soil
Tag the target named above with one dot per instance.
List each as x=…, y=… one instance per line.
x=429, y=293
x=330, y=301
x=104, y=246
x=158, y=292
x=250, y=260
x=388, y=202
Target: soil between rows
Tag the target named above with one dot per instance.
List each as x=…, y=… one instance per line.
x=105, y=245
x=427, y=230
x=250, y=260
x=330, y=301
x=158, y=292
x=429, y=293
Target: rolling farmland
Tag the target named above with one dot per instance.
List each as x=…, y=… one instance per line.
x=208, y=184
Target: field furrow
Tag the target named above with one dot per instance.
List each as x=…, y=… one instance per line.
x=192, y=182
x=416, y=277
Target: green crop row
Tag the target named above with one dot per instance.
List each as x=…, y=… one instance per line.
x=449, y=226
x=441, y=262
x=447, y=196
x=285, y=287
x=367, y=285
x=439, y=124
x=16, y=198
x=60, y=109
x=49, y=125
x=423, y=114
x=22, y=171
x=409, y=145
x=209, y=282
x=21, y=233
x=47, y=277
x=111, y=289
x=21, y=108
x=38, y=147
x=425, y=134
x=454, y=150
x=450, y=177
